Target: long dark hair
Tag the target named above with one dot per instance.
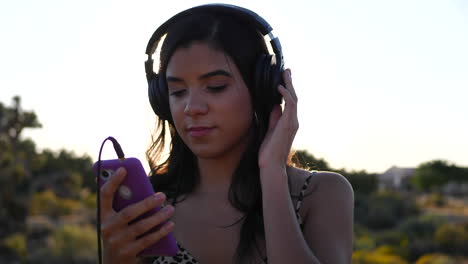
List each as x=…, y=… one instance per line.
x=177, y=174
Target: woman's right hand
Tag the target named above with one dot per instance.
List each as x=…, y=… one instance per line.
x=120, y=243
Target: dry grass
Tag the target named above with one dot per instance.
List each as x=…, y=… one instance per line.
x=453, y=208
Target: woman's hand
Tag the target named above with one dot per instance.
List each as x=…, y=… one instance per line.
x=282, y=128
x=120, y=243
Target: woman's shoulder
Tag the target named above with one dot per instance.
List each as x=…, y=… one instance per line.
x=319, y=182
x=324, y=190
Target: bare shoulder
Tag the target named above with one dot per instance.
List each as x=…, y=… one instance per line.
x=327, y=213
x=320, y=182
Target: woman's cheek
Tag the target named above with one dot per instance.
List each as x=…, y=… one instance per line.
x=177, y=116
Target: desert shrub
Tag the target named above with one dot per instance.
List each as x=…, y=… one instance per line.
x=435, y=259
x=422, y=227
x=48, y=203
x=385, y=210
x=420, y=231
x=418, y=247
x=391, y=237
x=16, y=243
x=382, y=255
x=74, y=244
x=364, y=242
x=452, y=238
x=436, y=199
x=88, y=199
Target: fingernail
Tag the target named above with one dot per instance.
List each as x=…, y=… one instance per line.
x=168, y=225
x=117, y=172
x=159, y=196
x=168, y=209
x=120, y=171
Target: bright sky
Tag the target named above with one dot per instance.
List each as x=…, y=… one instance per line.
x=380, y=83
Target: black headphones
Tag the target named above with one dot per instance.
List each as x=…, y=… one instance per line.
x=268, y=71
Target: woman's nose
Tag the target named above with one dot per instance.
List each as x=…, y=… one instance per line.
x=196, y=105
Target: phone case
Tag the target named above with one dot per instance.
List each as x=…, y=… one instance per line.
x=134, y=188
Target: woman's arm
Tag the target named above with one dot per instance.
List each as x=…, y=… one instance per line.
x=284, y=240
x=328, y=226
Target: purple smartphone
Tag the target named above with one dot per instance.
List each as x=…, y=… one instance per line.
x=134, y=188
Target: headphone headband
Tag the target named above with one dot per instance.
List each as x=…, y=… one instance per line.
x=244, y=14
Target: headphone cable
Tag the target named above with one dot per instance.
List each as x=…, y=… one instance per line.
x=120, y=155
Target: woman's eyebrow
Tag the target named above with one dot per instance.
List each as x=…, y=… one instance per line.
x=203, y=76
x=173, y=79
x=214, y=73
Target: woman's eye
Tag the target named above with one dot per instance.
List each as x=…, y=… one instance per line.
x=217, y=88
x=177, y=93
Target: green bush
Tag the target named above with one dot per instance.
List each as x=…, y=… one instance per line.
x=382, y=255
x=435, y=259
x=421, y=227
x=17, y=244
x=418, y=247
x=89, y=199
x=419, y=231
x=434, y=174
x=384, y=210
x=453, y=239
x=74, y=244
x=47, y=203
x=391, y=237
x=364, y=242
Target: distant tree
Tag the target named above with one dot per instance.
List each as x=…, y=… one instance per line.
x=362, y=182
x=305, y=160
x=459, y=174
x=63, y=172
x=48, y=184
x=14, y=120
x=24, y=171
x=433, y=174
x=14, y=165
x=383, y=210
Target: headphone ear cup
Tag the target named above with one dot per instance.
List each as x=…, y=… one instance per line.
x=267, y=78
x=158, y=97
x=275, y=79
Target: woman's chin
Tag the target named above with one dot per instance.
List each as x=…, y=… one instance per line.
x=206, y=153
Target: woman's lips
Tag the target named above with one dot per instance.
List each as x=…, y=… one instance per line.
x=199, y=131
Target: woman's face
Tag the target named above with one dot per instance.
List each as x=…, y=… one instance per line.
x=209, y=101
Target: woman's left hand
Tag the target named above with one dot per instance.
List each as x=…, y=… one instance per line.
x=282, y=128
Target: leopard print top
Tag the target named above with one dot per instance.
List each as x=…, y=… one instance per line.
x=184, y=257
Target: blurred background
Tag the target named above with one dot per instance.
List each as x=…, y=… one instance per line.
x=382, y=89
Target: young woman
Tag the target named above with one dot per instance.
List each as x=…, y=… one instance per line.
x=230, y=193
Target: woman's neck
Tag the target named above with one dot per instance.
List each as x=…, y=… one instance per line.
x=216, y=173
